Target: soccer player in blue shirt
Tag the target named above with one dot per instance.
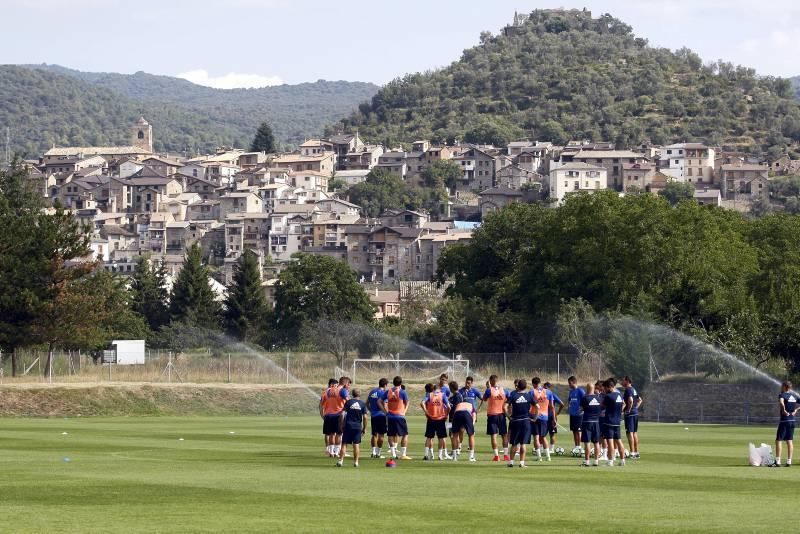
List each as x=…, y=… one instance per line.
x=470, y=393
x=576, y=394
x=790, y=404
x=353, y=425
x=613, y=404
x=552, y=414
x=632, y=402
x=378, y=421
x=590, y=427
x=444, y=387
x=519, y=407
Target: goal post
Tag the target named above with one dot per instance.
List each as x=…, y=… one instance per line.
x=368, y=371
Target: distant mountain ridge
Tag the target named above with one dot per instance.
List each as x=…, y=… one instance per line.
x=559, y=74
x=185, y=116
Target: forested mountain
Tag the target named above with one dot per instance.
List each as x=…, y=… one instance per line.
x=562, y=74
x=46, y=104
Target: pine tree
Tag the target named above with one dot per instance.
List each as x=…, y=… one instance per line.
x=246, y=306
x=193, y=301
x=264, y=141
x=149, y=293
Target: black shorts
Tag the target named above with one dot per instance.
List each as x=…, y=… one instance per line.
x=539, y=427
x=785, y=431
x=610, y=431
x=519, y=432
x=575, y=422
x=330, y=424
x=552, y=425
x=378, y=424
x=590, y=432
x=397, y=427
x=435, y=429
x=632, y=423
x=496, y=424
x=351, y=436
x=462, y=420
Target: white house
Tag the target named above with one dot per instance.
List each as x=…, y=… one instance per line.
x=576, y=177
x=688, y=162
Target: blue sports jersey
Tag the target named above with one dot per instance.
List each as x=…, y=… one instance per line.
x=591, y=407
x=354, y=411
x=575, y=397
x=613, y=404
x=374, y=396
x=445, y=391
x=631, y=393
x=470, y=395
x=551, y=409
x=790, y=401
x=520, y=402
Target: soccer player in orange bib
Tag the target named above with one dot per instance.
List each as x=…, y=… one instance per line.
x=436, y=407
x=495, y=397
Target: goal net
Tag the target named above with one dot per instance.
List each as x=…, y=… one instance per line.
x=369, y=371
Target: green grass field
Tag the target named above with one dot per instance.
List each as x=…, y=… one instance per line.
x=258, y=474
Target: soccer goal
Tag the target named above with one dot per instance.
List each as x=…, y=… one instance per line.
x=369, y=371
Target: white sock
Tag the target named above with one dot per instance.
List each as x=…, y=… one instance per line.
x=505, y=451
x=471, y=453
x=329, y=449
x=522, y=462
x=548, y=452
x=355, y=464
x=393, y=449
x=539, y=453
x=597, y=462
x=611, y=463
x=403, y=451
x=495, y=453
x=788, y=461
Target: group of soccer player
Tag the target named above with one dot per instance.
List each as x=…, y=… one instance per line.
x=514, y=419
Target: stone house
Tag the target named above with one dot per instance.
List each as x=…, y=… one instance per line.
x=743, y=181
x=497, y=198
x=576, y=177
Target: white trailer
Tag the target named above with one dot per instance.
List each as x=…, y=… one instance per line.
x=129, y=351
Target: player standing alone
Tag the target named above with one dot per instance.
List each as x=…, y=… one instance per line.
x=632, y=402
x=396, y=405
x=495, y=397
x=353, y=425
x=790, y=404
x=378, y=421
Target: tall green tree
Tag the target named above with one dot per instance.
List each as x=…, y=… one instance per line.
x=383, y=190
x=192, y=300
x=674, y=192
x=315, y=287
x=264, y=141
x=246, y=310
x=442, y=173
x=149, y=295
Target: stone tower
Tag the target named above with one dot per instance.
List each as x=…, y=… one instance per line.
x=142, y=135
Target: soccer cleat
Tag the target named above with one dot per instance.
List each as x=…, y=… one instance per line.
x=523, y=466
x=497, y=458
x=510, y=464
x=339, y=464
x=622, y=463
x=406, y=457
x=473, y=459
x=355, y=465
x=506, y=458
x=585, y=464
x=548, y=459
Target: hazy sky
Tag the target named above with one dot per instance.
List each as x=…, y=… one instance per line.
x=236, y=43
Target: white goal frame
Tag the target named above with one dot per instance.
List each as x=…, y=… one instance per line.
x=451, y=363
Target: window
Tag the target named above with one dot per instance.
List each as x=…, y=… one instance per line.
x=577, y=185
x=689, y=171
x=597, y=184
x=140, y=135
x=566, y=183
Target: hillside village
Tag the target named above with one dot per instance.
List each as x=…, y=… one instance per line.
x=140, y=203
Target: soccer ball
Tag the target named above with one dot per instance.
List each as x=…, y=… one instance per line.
x=559, y=451
x=627, y=454
x=577, y=452
x=391, y=463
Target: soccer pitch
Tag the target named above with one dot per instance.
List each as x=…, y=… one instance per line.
x=258, y=474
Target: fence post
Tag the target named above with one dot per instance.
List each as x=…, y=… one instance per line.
x=747, y=413
x=505, y=367
x=287, y=367
x=558, y=367
x=701, y=412
x=229, y=368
